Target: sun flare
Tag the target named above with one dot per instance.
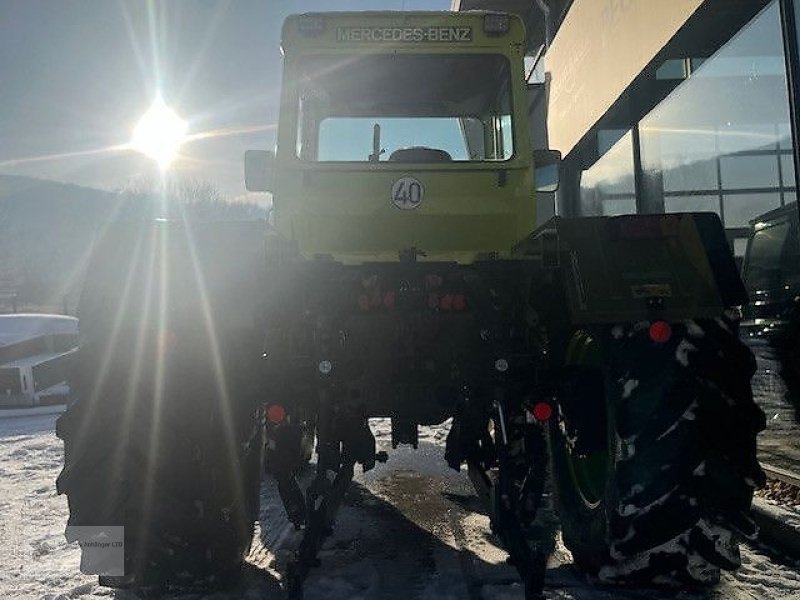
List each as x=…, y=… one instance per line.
x=159, y=134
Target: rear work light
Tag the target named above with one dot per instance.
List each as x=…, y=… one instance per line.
x=496, y=24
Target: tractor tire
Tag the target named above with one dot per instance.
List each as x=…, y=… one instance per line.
x=664, y=498
x=165, y=437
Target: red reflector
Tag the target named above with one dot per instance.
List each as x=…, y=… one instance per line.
x=459, y=302
x=660, y=332
x=363, y=302
x=388, y=299
x=276, y=414
x=446, y=303
x=542, y=411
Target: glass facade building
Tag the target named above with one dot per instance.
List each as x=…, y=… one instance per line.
x=720, y=140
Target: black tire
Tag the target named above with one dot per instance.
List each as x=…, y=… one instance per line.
x=787, y=349
x=166, y=436
x=679, y=456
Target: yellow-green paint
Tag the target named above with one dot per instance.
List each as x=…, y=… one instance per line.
x=346, y=210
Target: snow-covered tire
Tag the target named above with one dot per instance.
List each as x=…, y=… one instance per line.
x=166, y=436
x=680, y=461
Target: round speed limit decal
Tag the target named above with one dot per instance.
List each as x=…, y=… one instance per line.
x=407, y=193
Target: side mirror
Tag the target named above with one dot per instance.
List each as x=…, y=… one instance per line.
x=547, y=170
x=258, y=167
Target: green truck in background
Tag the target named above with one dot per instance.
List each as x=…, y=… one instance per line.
x=404, y=277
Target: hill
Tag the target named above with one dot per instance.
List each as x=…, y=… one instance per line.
x=47, y=229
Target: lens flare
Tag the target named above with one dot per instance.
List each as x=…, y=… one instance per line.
x=159, y=134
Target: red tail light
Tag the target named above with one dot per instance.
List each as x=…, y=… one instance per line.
x=459, y=302
x=542, y=411
x=660, y=332
x=276, y=414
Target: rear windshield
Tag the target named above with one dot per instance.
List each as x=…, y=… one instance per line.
x=404, y=108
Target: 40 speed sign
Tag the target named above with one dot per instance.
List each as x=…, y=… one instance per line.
x=407, y=193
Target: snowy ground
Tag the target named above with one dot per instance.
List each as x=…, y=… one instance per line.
x=409, y=530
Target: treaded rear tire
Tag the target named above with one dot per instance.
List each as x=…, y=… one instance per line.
x=166, y=435
x=682, y=427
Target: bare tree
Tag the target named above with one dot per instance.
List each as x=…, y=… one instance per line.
x=183, y=199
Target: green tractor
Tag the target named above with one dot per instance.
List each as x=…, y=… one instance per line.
x=404, y=277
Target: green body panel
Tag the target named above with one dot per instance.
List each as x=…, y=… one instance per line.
x=348, y=213
x=345, y=209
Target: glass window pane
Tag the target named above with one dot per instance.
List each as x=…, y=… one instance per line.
x=607, y=187
x=787, y=170
x=743, y=172
x=619, y=206
x=744, y=136
x=395, y=134
x=740, y=209
x=691, y=204
x=739, y=246
x=785, y=136
x=692, y=176
x=720, y=129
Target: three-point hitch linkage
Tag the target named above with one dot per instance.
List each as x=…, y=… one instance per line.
x=497, y=430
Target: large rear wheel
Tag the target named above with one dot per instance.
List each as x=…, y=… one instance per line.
x=166, y=436
x=655, y=486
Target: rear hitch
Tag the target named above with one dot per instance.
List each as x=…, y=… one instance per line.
x=344, y=439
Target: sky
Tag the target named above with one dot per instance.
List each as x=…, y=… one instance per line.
x=76, y=75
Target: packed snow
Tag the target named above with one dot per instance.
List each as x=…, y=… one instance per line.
x=410, y=529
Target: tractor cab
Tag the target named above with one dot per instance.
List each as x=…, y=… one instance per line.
x=399, y=131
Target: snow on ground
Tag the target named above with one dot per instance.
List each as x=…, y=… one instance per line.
x=779, y=445
x=410, y=529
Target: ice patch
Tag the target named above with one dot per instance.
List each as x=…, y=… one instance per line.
x=634, y=490
x=689, y=414
x=628, y=510
x=723, y=540
x=683, y=350
x=694, y=330
x=701, y=570
x=626, y=448
x=628, y=386
x=630, y=565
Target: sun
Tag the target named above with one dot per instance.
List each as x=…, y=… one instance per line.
x=159, y=134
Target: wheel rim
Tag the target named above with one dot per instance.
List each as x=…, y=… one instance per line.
x=589, y=474
x=588, y=470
